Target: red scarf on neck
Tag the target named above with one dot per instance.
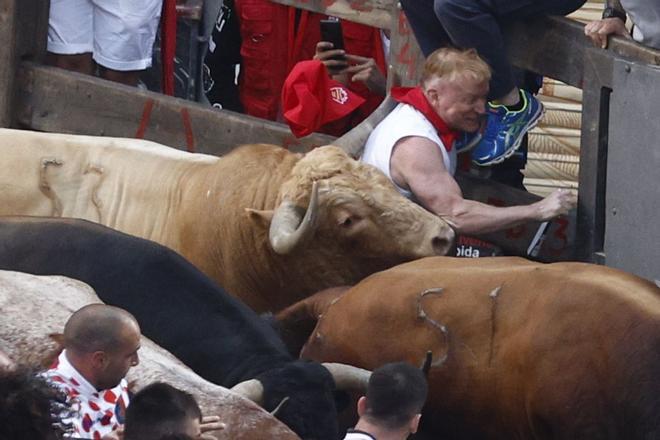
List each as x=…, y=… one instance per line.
x=415, y=97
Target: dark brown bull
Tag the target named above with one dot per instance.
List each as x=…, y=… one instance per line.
x=521, y=350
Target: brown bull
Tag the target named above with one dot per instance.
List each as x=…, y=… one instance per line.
x=34, y=307
x=521, y=350
x=242, y=218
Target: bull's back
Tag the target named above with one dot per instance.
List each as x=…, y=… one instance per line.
x=127, y=184
x=513, y=341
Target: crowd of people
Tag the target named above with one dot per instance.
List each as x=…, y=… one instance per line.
x=84, y=394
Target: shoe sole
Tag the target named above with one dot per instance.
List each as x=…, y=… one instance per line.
x=518, y=141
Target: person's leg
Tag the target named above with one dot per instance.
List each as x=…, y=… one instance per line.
x=477, y=24
x=124, y=34
x=70, y=35
x=427, y=29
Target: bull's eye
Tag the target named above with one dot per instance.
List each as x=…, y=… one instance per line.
x=347, y=222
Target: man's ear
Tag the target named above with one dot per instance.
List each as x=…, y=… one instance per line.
x=99, y=359
x=260, y=217
x=414, y=423
x=362, y=406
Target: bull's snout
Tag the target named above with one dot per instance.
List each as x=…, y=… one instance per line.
x=443, y=242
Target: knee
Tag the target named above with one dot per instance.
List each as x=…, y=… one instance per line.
x=449, y=9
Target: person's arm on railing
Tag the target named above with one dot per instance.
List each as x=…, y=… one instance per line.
x=613, y=22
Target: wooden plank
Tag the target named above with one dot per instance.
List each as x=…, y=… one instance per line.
x=375, y=13
x=8, y=57
x=406, y=59
x=555, y=47
x=55, y=100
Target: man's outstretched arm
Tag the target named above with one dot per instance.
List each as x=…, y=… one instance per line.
x=417, y=165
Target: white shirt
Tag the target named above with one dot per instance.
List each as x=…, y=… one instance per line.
x=354, y=434
x=95, y=413
x=403, y=121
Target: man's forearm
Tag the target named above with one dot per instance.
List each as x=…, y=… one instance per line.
x=471, y=217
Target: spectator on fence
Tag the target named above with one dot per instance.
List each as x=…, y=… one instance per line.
x=267, y=40
x=392, y=406
x=645, y=15
x=115, y=35
x=478, y=24
x=415, y=145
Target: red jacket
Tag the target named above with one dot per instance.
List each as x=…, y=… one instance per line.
x=275, y=37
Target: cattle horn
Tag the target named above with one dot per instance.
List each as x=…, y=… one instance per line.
x=348, y=377
x=286, y=228
x=250, y=389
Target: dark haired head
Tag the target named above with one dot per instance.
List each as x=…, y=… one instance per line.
x=27, y=407
x=396, y=393
x=160, y=410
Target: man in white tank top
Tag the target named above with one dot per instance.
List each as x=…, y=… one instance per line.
x=415, y=145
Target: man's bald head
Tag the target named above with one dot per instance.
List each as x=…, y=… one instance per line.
x=98, y=327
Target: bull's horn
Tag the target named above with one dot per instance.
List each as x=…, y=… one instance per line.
x=348, y=377
x=286, y=229
x=250, y=389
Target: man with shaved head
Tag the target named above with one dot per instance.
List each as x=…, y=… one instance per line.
x=100, y=346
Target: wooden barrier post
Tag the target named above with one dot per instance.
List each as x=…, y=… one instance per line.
x=8, y=56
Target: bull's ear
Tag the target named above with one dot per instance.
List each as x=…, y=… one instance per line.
x=261, y=217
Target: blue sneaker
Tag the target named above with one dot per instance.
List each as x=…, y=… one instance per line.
x=505, y=130
x=466, y=141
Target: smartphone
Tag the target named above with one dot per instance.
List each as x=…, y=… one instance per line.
x=331, y=31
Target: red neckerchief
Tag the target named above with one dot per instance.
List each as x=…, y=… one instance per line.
x=415, y=97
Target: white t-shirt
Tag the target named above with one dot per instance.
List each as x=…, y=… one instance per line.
x=403, y=121
x=646, y=16
x=95, y=413
x=354, y=434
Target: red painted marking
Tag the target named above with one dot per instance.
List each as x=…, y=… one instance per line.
x=144, y=120
x=516, y=232
x=560, y=235
x=187, y=127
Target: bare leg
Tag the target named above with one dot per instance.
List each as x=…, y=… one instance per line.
x=129, y=78
x=82, y=63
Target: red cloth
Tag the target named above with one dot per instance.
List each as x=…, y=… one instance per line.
x=416, y=98
x=311, y=99
x=168, y=45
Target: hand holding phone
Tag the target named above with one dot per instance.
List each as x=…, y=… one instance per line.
x=333, y=57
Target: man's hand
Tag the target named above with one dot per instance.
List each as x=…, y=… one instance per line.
x=210, y=423
x=333, y=59
x=366, y=71
x=599, y=30
x=559, y=202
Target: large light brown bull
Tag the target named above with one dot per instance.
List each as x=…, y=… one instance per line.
x=242, y=218
x=33, y=307
x=521, y=350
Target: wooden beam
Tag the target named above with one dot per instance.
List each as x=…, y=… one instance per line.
x=376, y=13
x=8, y=60
x=555, y=47
x=55, y=100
